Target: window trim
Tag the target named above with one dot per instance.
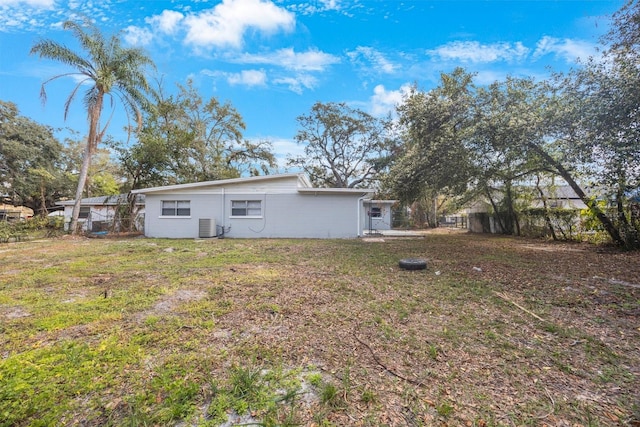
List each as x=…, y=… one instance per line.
x=246, y=208
x=176, y=209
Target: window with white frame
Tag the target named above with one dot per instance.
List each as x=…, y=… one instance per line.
x=176, y=208
x=246, y=208
x=375, y=212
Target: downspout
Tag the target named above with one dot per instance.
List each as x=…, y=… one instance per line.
x=360, y=203
x=223, y=205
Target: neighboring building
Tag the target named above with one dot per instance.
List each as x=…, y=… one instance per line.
x=561, y=196
x=14, y=213
x=98, y=213
x=482, y=220
x=280, y=206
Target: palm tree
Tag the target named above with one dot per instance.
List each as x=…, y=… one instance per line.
x=109, y=71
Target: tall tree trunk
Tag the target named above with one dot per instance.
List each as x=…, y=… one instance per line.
x=547, y=218
x=43, y=211
x=608, y=225
x=132, y=198
x=622, y=217
x=513, y=217
x=92, y=144
x=435, y=211
x=497, y=214
x=82, y=180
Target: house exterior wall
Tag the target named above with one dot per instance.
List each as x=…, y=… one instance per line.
x=96, y=213
x=307, y=215
x=201, y=205
x=284, y=213
x=373, y=223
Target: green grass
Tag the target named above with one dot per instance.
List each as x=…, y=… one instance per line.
x=42, y=384
x=201, y=332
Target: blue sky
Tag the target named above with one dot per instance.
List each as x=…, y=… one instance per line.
x=272, y=60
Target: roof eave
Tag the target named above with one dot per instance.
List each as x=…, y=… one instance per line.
x=362, y=191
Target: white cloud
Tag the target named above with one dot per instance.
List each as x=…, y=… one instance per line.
x=311, y=60
x=167, y=21
x=567, y=49
x=384, y=101
x=330, y=4
x=372, y=58
x=47, y=4
x=137, y=36
x=248, y=78
x=285, y=148
x=476, y=52
x=298, y=83
x=25, y=15
x=226, y=24
x=321, y=6
x=295, y=83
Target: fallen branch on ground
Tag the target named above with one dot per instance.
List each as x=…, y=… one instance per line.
x=395, y=374
x=504, y=297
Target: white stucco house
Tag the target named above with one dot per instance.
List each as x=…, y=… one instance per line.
x=271, y=206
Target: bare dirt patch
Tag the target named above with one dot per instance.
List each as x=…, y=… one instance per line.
x=175, y=299
x=12, y=312
x=170, y=303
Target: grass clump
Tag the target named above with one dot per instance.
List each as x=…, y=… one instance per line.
x=267, y=396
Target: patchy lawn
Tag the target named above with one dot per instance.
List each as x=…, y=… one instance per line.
x=496, y=331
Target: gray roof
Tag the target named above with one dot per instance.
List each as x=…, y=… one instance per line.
x=565, y=192
x=118, y=199
x=560, y=192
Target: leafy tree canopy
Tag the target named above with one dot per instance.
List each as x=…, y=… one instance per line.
x=30, y=162
x=343, y=147
x=434, y=124
x=187, y=139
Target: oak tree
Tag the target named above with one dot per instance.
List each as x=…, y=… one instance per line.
x=343, y=147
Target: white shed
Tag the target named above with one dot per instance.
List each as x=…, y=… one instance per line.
x=280, y=206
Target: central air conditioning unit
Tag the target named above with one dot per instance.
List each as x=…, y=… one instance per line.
x=206, y=227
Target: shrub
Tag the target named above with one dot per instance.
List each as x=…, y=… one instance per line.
x=33, y=227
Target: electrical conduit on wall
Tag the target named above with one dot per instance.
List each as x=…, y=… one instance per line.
x=359, y=204
x=264, y=216
x=223, y=211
